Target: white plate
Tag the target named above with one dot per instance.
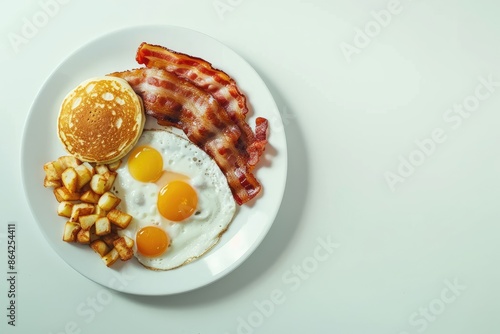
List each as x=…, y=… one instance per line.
x=116, y=52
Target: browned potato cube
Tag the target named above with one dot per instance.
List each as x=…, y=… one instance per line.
x=85, y=172
x=70, y=179
x=64, y=209
x=100, y=211
x=122, y=246
x=101, y=169
x=51, y=183
x=111, y=257
x=119, y=218
x=108, y=201
x=53, y=170
x=68, y=161
x=93, y=236
x=90, y=196
x=70, y=231
x=83, y=236
x=81, y=209
x=110, y=179
x=98, y=184
x=114, y=165
x=63, y=194
x=87, y=221
x=102, y=226
x=128, y=241
x=100, y=247
x=109, y=239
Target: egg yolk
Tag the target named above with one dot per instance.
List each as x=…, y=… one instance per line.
x=145, y=164
x=177, y=201
x=152, y=241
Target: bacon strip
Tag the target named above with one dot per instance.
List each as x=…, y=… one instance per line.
x=221, y=86
x=176, y=102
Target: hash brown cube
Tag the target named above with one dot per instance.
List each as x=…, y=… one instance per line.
x=108, y=201
x=102, y=226
x=90, y=196
x=70, y=179
x=111, y=257
x=124, y=250
x=98, y=184
x=81, y=209
x=85, y=173
x=109, y=239
x=47, y=183
x=63, y=194
x=110, y=179
x=100, y=247
x=87, y=221
x=68, y=161
x=114, y=165
x=101, y=169
x=53, y=170
x=119, y=218
x=83, y=236
x=71, y=230
x=64, y=208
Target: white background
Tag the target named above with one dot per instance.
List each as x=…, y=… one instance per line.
x=351, y=117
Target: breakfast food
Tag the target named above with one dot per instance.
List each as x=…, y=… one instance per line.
x=217, y=83
x=173, y=196
x=100, y=120
x=90, y=208
x=178, y=197
x=176, y=102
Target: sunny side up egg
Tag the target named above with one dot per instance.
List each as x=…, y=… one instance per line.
x=179, y=199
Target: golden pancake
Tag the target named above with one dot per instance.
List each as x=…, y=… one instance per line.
x=101, y=120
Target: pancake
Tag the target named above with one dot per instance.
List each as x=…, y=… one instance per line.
x=101, y=120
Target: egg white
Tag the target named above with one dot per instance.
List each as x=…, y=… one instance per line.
x=195, y=235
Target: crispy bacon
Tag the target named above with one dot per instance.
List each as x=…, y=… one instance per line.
x=176, y=102
x=216, y=82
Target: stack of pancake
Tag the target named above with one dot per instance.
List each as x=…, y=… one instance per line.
x=101, y=120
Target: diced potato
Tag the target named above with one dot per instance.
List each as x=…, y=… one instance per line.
x=110, y=179
x=87, y=221
x=64, y=209
x=53, y=170
x=114, y=165
x=84, y=194
x=101, y=169
x=84, y=174
x=128, y=241
x=102, y=226
x=93, y=236
x=100, y=247
x=70, y=179
x=108, y=201
x=83, y=236
x=122, y=246
x=90, y=167
x=51, y=183
x=81, y=209
x=90, y=196
x=98, y=184
x=100, y=211
x=109, y=239
x=119, y=218
x=68, y=161
x=111, y=257
x=63, y=194
x=70, y=231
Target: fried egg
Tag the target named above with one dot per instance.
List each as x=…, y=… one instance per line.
x=179, y=199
